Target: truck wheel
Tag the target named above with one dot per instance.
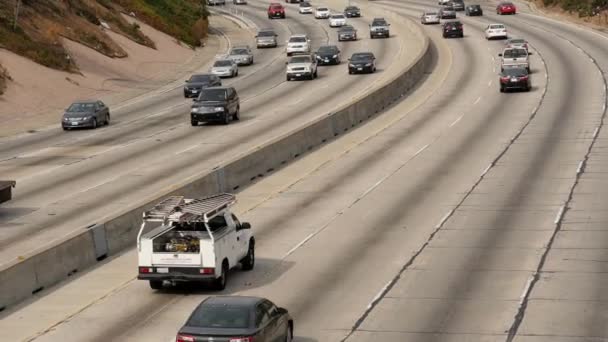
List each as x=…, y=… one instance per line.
x=227, y=118
x=237, y=114
x=249, y=261
x=220, y=283
x=156, y=284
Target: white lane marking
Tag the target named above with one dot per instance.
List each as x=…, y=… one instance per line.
x=420, y=150
x=444, y=218
x=477, y=101
x=558, y=217
x=494, y=68
x=489, y=83
x=597, y=129
x=580, y=167
x=456, y=121
x=298, y=101
x=522, y=297
x=486, y=170
x=378, y=295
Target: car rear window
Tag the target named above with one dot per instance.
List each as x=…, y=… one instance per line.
x=300, y=59
x=322, y=9
x=222, y=63
x=220, y=316
x=496, y=27
x=514, y=53
x=266, y=34
x=337, y=16
x=213, y=95
x=517, y=41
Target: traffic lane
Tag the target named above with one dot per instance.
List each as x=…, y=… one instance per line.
x=93, y=198
x=300, y=225
x=159, y=104
x=464, y=294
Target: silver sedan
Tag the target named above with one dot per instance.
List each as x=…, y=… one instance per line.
x=241, y=55
x=225, y=68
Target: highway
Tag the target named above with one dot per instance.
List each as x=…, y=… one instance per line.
x=459, y=214
x=68, y=181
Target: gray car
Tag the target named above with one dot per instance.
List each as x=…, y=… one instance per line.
x=266, y=38
x=516, y=43
x=90, y=113
x=458, y=5
x=241, y=55
x=221, y=318
x=447, y=12
x=225, y=68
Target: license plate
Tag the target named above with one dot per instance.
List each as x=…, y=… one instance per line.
x=359, y=69
x=453, y=29
x=327, y=60
x=74, y=123
x=514, y=80
x=195, y=91
x=162, y=270
x=298, y=75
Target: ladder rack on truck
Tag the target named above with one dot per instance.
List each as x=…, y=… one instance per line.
x=6, y=190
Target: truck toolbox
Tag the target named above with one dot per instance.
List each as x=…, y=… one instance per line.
x=6, y=190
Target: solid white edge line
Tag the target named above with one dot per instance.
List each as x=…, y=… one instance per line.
x=486, y=170
x=522, y=297
x=444, y=218
x=580, y=167
x=378, y=295
x=558, y=217
x=306, y=239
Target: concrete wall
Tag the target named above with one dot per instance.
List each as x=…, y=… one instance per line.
x=21, y=279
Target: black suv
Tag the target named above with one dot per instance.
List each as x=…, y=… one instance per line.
x=197, y=82
x=216, y=104
x=453, y=29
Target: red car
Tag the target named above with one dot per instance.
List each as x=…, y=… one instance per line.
x=505, y=8
x=276, y=10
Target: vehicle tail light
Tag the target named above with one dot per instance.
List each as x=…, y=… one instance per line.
x=146, y=270
x=184, y=338
x=504, y=79
x=523, y=78
x=207, y=270
x=242, y=339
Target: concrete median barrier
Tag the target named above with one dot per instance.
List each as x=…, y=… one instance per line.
x=83, y=249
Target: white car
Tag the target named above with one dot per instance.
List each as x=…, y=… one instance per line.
x=225, y=68
x=429, y=17
x=496, y=31
x=193, y=240
x=443, y=2
x=301, y=66
x=298, y=43
x=322, y=13
x=337, y=20
x=305, y=8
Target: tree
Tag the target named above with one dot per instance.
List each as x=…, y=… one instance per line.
x=17, y=9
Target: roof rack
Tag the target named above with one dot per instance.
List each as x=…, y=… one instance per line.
x=164, y=208
x=190, y=210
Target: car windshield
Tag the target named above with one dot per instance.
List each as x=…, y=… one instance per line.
x=213, y=95
x=276, y=7
x=300, y=59
x=322, y=9
x=514, y=53
x=266, y=34
x=431, y=13
x=379, y=23
x=515, y=72
x=337, y=16
x=517, y=41
x=328, y=49
x=81, y=107
x=351, y=8
x=496, y=27
x=220, y=316
x=304, y=4
x=239, y=52
x=361, y=57
x=297, y=40
x=448, y=8
x=222, y=63
x=200, y=78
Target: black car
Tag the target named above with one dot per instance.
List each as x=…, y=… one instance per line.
x=216, y=104
x=347, y=32
x=515, y=78
x=352, y=11
x=458, y=5
x=328, y=54
x=453, y=29
x=473, y=10
x=237, y=318
x=90, y=113
x=197, y=82
x=362, y=62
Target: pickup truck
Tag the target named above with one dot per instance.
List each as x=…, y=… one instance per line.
x=379, y=28
x=301, y=66
x=5, y=190
x=515, y=58
x=193, y=240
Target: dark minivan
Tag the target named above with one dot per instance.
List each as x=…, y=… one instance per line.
x=237, y=318
x=216, y=104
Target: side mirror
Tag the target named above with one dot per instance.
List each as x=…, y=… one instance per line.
x=500, y=55
x=245, y=225
x=286, y=63
x=529, y=53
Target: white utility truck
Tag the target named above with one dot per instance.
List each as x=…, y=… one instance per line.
x=198, y=240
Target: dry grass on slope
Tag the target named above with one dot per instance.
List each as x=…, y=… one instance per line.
x=4, y=78
x=592, y=12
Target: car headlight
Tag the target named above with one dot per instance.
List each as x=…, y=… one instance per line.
x=218, y=109
x=195, y=110
x=335, y=56
x=351, y=65
x=88, y=117
x=368, y=64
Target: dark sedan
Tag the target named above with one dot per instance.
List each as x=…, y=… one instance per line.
x=453, y=29
x=90, y=114
x=197, y=82
x=473, y=10
x=352, y=11
x=237, y=318
x=347, y=32
x=362, y=62
x=328, y=54
x=515, y=78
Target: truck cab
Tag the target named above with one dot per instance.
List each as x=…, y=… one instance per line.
x=193, y=240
